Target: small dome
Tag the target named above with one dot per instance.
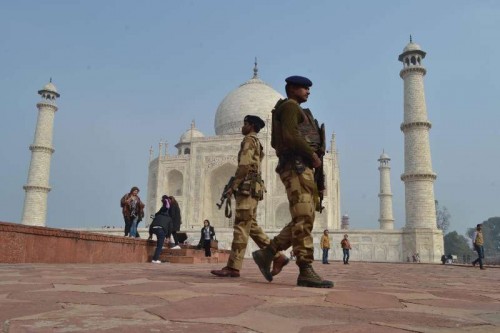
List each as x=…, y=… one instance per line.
x=191, y=133
x=253, y=97
x=412, y=47
x=49, y=87
x=384, y=156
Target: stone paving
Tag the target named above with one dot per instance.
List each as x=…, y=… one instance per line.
x=368, y=297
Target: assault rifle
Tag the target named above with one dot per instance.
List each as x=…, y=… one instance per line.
x=319, y=174
x=224, y=197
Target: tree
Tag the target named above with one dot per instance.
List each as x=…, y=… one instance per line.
x=443, y=217
x=457, y=244
x=491, y=237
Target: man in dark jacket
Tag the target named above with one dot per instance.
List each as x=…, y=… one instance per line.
x=161, y=227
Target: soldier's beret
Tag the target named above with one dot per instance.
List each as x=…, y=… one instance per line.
x=255, y=120
x=299, y=81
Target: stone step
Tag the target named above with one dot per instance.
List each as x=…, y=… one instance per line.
x=192, y=255
x=190, y=260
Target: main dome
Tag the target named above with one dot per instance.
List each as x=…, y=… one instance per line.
x=253, y=97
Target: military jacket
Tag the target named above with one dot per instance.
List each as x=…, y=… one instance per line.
x=249, y=158
x=287, y=136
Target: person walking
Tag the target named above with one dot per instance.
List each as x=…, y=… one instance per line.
x=207, y=234
x=161, y=227
x=299, y=144
x=248, y=189
x=175, y=213
x=132, y=210
x=478, y=242
x=346, y=246
x=325, y=246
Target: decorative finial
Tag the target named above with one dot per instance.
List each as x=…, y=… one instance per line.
x=50, y=80
x=193, y=124
x=411, y=40
x=255, y=70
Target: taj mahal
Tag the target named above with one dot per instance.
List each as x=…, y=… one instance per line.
x=203, y=164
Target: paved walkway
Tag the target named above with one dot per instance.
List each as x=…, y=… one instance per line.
x=368, y=297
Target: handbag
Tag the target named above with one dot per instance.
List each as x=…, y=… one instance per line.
x=214, y=244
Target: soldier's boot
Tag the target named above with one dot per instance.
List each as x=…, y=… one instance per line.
x=263, y=258
x=279, y=263
x=226, y=272
x=309, y=278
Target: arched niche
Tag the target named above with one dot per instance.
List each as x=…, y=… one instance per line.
x=217, y=179
x=175, y=181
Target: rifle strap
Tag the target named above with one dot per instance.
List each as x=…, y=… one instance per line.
x=228, y=211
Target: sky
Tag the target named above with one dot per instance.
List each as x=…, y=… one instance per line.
x=133, y=73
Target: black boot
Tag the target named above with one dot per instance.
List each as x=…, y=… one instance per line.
x=264, y=258
x=309, y=278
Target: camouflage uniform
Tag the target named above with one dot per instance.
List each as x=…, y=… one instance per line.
x=296, y=137
x=247, y=198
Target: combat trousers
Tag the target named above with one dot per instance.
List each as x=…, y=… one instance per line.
x=302, y=192
x=245, y=226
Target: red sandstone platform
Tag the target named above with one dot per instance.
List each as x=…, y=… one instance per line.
x=144, y=297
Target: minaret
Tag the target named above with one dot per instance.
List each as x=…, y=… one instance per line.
x=418, y=175
x=37, y=188
x=386, y=219
x=345, y=222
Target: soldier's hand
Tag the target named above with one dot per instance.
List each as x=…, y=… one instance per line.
x=229, y=193
x=316, y=161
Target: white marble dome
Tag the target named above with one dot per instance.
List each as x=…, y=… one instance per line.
x=384, y=156
x=193, y=132
x=412, y=47
x=253, y=97
x=49, y=87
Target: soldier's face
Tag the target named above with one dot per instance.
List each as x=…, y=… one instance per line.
x=300, y=94
x=246, y=128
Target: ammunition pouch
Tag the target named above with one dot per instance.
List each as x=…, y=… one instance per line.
x=245, y=187
x=253, y=186
x=298, y=163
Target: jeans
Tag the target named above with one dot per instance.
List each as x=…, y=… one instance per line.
x=325, y=256
x=480, y=255
x=133, y=226
x=160, y=236
x=206, y=245
x=346, y=255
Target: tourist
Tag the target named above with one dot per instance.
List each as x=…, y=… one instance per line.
x=346, y=246
x=478, y=242
x=207, y=234
x=132, y=210
x=161, y=227
x=299, y=145
x=325, y=246
x=175, y=213
x=248, y=189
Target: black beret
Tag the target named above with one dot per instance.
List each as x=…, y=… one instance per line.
x=299, y=81
x=255, y=120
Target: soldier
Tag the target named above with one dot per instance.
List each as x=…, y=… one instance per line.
x=248, y=189
x=297, y=139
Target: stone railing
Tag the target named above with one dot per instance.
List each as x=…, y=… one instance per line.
x=31, y=244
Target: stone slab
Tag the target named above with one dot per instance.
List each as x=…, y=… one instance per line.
x=368, y=297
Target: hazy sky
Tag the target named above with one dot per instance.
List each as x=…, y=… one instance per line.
x=131, y=73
